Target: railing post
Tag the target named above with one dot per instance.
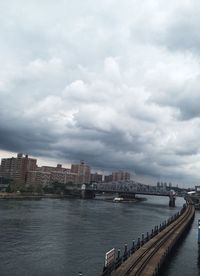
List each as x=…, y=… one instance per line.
x=125, y=256
x=138, y=243
x=118, y=253
x=142, y=242
x=133, y=247
x=147, y=238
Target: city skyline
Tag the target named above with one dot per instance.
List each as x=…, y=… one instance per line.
x=116, y=84
x=21, y=172
x=106, y=175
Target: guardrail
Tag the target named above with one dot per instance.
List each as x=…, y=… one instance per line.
x=120, y=259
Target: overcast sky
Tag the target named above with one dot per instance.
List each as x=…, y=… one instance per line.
x=116, y=83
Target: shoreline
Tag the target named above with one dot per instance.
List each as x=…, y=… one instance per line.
x=16, y=196
x=31, y=196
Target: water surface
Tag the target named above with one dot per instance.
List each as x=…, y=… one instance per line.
x=63, y=237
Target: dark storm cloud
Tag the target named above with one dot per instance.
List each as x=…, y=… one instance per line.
x=24, y=139
x=111, y=84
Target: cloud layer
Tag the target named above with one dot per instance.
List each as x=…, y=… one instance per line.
x=115, y=84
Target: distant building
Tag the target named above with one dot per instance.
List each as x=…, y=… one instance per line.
x=51, y=168
x=64, y=177
x=108, y=178
x=83, y=171
x=95, y=177
x=17, y=168
x=117, y=176
x=35, y=178
x=120, y=176
x=47, y=175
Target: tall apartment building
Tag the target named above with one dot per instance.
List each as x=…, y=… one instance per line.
x=51, y=169
x=64, y=177
x=35, y=178
x=83, y=171
x=108, y=178
x=120, y=176
x=47, y=175
x=96, y=177
x=17, y=168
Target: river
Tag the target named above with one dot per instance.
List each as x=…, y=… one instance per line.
x=65, y=236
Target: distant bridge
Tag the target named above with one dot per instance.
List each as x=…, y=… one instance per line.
x=128, y=189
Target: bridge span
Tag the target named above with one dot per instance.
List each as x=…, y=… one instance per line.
x=147, y=256
x=130, y=189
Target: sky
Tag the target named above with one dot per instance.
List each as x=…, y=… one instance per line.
x=114, y=83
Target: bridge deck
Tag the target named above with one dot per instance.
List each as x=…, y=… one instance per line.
x=130, y=187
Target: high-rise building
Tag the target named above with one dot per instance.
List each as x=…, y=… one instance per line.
x=35, y=178
x=108, y=178
x=96, y=177
x=51, y=169
x=64, y=177
x=47, y=175
x=120, y=176
x=83, y=171
x=16, y=168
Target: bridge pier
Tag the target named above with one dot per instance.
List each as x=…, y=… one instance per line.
x=172, y=199
x=86, y=194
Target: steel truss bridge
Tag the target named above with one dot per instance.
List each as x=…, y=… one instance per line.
x=131, y=188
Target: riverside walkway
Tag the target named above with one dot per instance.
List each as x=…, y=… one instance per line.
x=147, y=257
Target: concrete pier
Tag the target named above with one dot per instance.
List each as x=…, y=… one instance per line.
x=87, y=193
x=172, y=200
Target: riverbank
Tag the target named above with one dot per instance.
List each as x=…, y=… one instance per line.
x=26, y=196
x=30, y=196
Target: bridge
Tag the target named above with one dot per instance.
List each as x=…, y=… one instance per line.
x=146, y=257
x=127, y=189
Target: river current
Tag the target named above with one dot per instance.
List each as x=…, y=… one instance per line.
x=66, y=236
